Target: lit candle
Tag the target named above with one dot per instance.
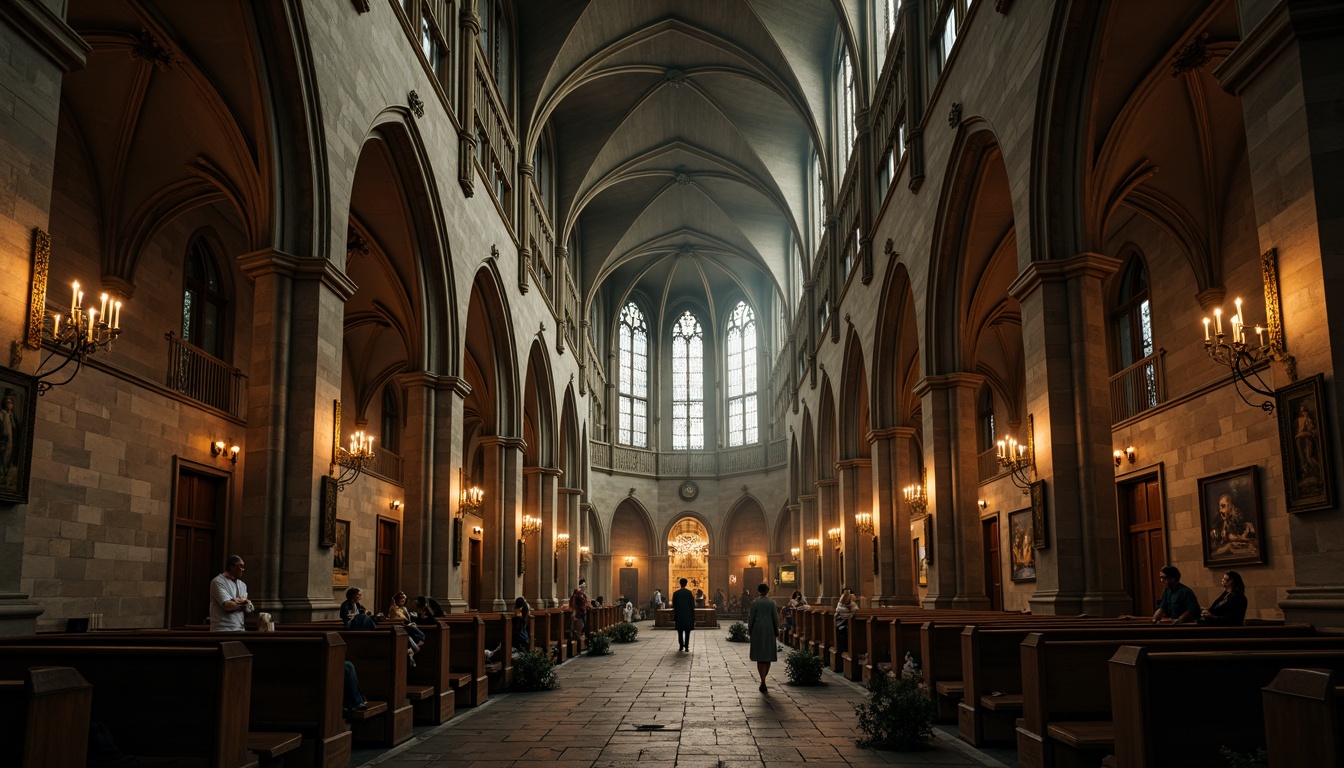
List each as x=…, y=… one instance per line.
x=56, y=327
x=74, y=297
x=1218, y=321
x=1206, y=329
x=1260, y=334
x=102, y=312
x=1001, y=449
x=92, y=313
x=79, y=300
x=1238, y=303
x=116, y=316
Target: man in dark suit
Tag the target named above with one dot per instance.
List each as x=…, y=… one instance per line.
x=683, y=615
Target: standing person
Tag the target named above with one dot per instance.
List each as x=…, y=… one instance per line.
x=744, y=600
x=720, y=602
x=628, y=612
x=1178, y=602
x=844, y=608
x=579, y=602
x=229, y=603
x=683, y=615
x=1229, y=610
x=522, y=637
x=763, y=627
x=657, y=599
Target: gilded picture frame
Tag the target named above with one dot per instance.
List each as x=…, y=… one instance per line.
x=1021, y=546
x=1232, y=521
x=340, y=555
x=1304, y=441
x=18, y=412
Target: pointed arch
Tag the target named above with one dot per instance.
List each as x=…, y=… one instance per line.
x=852, y=441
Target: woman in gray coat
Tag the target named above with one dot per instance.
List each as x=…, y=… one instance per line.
x=763, y=626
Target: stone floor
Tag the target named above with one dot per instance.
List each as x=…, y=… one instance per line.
x=650, y=705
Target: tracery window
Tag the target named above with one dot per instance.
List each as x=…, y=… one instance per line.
x=633, y=419
x=497, y=43
x=203, y=302
x=818, y=201
x=742, y=388
x=688, y=384
x=391, y=437
x=985, y=418
x=1133, y=316
x=845, y=93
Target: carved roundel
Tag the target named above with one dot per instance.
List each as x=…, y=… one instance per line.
x=688, y=490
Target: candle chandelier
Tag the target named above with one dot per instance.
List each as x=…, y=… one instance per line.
x=78, y=336
x=1019, y=458
x=916, y=496
x=1234, y=349
x=354, y=460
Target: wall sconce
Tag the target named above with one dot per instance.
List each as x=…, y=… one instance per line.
x=395, y=506
x=814, y=546
x=1019, y=458
x=585, y=555
x=354, y=460
x=982, y=503
x=863, y=523
x=1239, y=355
x=531, y=527
x=470, y=498
x=629, y=562
x=835, y=535
x=917, y=496
x=561, y=544
x=476, y=530
x=752, y=560
x=217, y=449
x=87, y=330
x=1119, y=454
x=794, y=552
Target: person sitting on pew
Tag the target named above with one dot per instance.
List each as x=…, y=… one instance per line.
x=844, y=608
x=1229, y=610
x=1178, y=602
x=352, y=699
x=414, y=637
x=229, y=603
x=353, y=613
x=427, y=608
x=522, y=640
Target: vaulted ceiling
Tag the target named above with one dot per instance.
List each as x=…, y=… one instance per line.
x=683, y=132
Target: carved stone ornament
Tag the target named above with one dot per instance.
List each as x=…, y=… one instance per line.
x=675, y=78
x=688, y=490
x=1191, y=56
x=494, y=251
x=355, y=244
x=361, y=6
x=682, y=177
x=147, y=48
x=889, y=246
x=1002, y=6
x=417, y=106
x=954, y=116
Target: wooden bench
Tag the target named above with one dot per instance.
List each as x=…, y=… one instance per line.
x=297, y=687
x=1304, y=717
x=46, y=718
x=188, y=705
x=1193, y=704
x=466, y=654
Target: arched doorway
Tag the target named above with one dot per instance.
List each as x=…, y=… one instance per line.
x=688, y=555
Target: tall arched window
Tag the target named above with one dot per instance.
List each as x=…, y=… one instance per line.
x=688, y=384
x=203, y=303
x=742, y=419
x=818, y=201
x=497, y=43
x=1132, y=321
x=844, y=90
x=391, y=437
x=985, y=418
x=633, y=425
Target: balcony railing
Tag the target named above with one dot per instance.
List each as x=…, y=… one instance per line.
x=638, y=461
x=387, y=465
x=205, y=378
x=1139, y=387
x=988, y=463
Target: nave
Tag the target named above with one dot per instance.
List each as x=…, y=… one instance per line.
x=706, y=701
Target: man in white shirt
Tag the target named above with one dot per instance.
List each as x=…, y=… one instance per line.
x=228, y=598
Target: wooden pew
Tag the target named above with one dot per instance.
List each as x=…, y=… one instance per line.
x=188, y=705
x=46, y=718
x=1304, y=718
x=433, y=668
x=499, y=638
x=1067, y=695
x=467, y=657
x=1192, y=704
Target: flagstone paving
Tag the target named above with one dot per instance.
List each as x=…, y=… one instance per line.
x=649, y=705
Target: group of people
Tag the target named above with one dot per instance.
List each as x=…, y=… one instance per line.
x=1178, y=602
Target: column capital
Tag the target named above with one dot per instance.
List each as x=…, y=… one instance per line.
x=807, y=498
x=829, y=482
x=853, y=463
x=500, y=441
x=948, y=381
x=545, y=471
x=1037, y=273
x=271, y=261
x=890, y=433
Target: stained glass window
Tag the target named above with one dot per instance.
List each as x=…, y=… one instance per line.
x=742, y=376
x=633, y=420
x=688, y=384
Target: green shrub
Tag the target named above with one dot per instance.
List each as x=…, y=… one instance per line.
x=1257, y=759
x=803, y=667
x=625, y=632
x=534, y=671
x=737, y=633
x=599, y=644
x=898, y=715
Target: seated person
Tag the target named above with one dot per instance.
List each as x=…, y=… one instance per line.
x=1229, y=610
x=522, y=639
x=353, y=613
x=1178, y=602
x=400, y=613
x=352, y=700
x=699, y=598
x=427, y=608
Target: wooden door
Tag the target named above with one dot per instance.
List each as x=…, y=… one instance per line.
x=386, y=571
x=474, y=573
x=1145, y=540
x=993, y=563
x=630, y=585
x=198, y=526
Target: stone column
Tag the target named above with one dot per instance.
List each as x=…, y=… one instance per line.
x=891, y=464
x=432, y=448
x=503, y=517
x=832, y=575
x=1068, y=394
x=1286, y=71
x=956, y=569
x=552, y=523
x=810, y=569
x=855, y=493
x=582, y=537
x=39, y=49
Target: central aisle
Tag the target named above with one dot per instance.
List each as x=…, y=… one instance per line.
x=706, y=702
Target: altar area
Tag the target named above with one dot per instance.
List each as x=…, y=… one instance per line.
x=704, y=618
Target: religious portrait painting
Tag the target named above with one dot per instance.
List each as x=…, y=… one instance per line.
x=1021, y=538
x=1304, y=444
x=1231, y=520
x=340, y=555
x=18, y=408
x=921, y=563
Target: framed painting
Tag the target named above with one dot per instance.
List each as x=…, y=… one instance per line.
x=1022, y=546
x=1039, y=539
x=1305, y=447
x=1231, y=519
x=340, y=555
x=921, y=562
x=330, y=494
x=786, y=575
x=18, y=411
